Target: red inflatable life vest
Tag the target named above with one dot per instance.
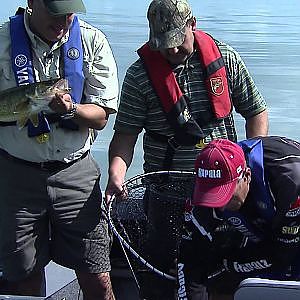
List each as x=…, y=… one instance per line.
x=186, y=128
x=166, y=86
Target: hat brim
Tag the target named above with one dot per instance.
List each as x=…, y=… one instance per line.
x=65, y=7
x=212, y=195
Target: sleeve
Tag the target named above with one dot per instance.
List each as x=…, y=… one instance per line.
x=247, y=99
x=279, y=250
x=195, y=255
x=100, y=69
x=201, y=250
x=132, y=112
x=282, y=166
x=7, y=79
x=277, y=253
x=274, y=256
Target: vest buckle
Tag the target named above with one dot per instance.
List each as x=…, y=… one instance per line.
x=201, y=144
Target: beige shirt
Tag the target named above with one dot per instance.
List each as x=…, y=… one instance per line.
x=101, y=88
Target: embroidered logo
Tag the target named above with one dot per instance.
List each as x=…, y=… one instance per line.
x=204, y=173
x=20, y=60
x=181, y=281
x=73, y=53
x=251, y=266
x=235, y=221
x=292, y=230
x=217, y=86
x=187, y=217
x=184, y=116
x=293, y=212
x=290, y=241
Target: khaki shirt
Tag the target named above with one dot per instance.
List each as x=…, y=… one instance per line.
x=101, y=88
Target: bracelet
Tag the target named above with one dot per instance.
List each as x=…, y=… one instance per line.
x=71, y=113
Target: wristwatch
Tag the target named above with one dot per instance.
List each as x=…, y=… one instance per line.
x=71, y=113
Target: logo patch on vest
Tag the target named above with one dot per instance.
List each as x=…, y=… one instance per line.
x=73, y=53
x=20, y=60
x=217, y=86
x=184, y=116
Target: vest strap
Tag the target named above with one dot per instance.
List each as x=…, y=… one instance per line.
x=187, y=130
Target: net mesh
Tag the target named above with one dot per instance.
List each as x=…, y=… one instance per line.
x=150, y=217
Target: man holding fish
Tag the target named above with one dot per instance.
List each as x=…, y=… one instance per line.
x=58, y=83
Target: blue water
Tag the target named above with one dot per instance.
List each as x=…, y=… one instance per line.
x=265, y=32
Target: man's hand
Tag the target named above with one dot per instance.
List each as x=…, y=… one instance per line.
x=115, y=187
x=61, y=103
x=120, y=157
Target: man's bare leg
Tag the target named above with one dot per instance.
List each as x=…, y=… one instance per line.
x=95, y=286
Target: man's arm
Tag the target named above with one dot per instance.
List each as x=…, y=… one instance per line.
x=87, y=115
x=257, y=125
x=121, y=151
x=91, y=115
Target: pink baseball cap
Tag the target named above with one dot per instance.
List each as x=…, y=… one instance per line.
x=218, y=167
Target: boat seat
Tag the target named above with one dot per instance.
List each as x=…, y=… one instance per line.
x=266, y=289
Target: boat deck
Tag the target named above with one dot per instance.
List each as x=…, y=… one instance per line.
x=61, y=283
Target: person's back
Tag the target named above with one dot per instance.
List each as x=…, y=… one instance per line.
x=254, y=213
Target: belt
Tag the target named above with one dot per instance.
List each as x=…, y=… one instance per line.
x=52, y=166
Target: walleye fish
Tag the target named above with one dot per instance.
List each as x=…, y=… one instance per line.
x=23, y=103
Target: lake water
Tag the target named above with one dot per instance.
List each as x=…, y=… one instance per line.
x=265, y=32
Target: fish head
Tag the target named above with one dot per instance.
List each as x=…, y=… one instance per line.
x=45, y=92
x=26, y=101
x=59, y=87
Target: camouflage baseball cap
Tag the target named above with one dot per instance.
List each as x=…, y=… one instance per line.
x=64, y=7
x=167, y=21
